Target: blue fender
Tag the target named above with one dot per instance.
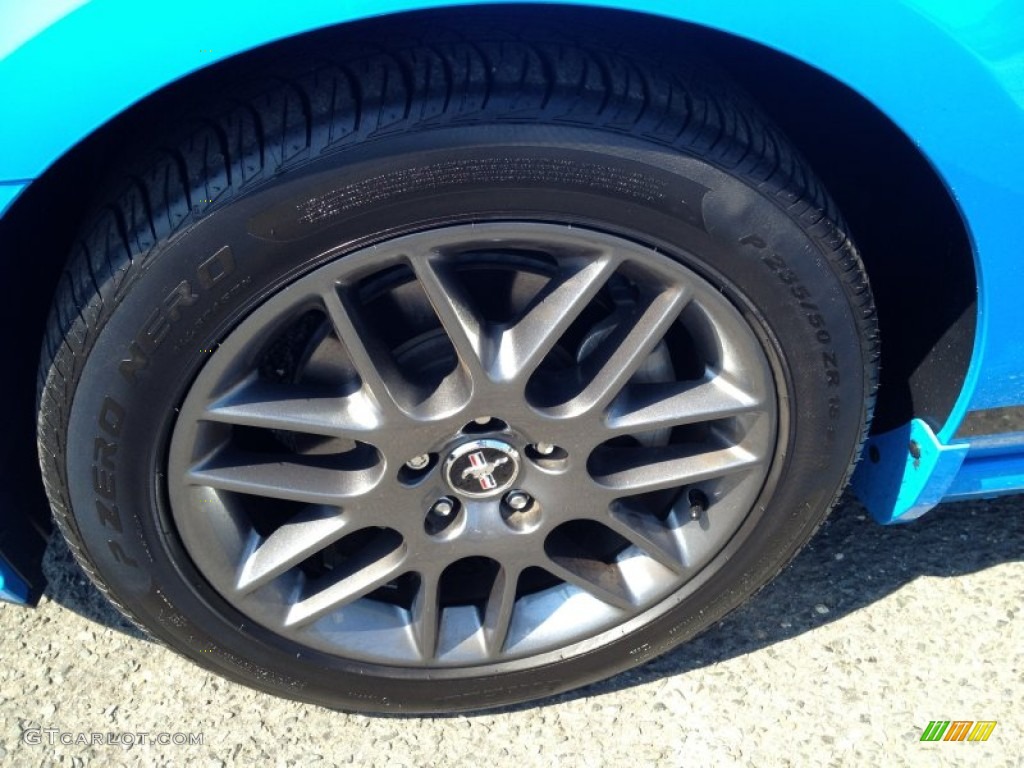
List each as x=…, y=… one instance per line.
x=950, y=74
x=69, y=66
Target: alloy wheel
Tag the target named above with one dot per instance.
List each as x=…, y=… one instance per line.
x=473, y=444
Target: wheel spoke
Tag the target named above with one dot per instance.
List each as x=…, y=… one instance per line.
x=655, y=469
x=307, y=533
x=598, y=579
x=426, y=615
x=371, y=361
x=260, y=475
x=522, y=347
x=649, y=534
x=465, y=331
x=632, y=347
x=642, y=407
x=291, y=407
x=498, y=611
x=373, y=567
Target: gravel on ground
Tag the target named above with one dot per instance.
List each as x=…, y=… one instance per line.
x=843, y=660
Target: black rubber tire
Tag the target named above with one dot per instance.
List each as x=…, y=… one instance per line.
x=421, y=135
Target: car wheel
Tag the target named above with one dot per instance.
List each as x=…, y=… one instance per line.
x=454, y=376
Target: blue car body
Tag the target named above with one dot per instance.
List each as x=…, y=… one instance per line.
x=948, y=74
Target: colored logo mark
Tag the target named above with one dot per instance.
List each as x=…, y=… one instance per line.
x=958, y=730
x=482, y=471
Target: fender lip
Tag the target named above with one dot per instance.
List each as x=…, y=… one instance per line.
x=13, y=589
x=9, y=191
x=905, y=472
x=22, y=546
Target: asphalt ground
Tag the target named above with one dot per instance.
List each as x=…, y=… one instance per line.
x=843, y=660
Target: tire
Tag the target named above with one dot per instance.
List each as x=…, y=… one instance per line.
x=242, y=350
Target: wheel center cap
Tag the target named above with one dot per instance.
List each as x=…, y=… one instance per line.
x=482, y=468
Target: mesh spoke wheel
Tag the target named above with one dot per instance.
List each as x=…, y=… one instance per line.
x=472, y=444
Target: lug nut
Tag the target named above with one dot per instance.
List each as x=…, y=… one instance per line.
x=418, y=462
x=517, y=500
x=443, y=507
x=482, y=420
x=544, y=449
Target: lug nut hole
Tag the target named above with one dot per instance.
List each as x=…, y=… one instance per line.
x=441, y=515
x=547, y=456
x=484, y=424
x=520, y=511
x=417, y=468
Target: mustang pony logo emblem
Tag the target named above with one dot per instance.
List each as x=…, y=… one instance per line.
x=483, y=471
x=481, y=468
